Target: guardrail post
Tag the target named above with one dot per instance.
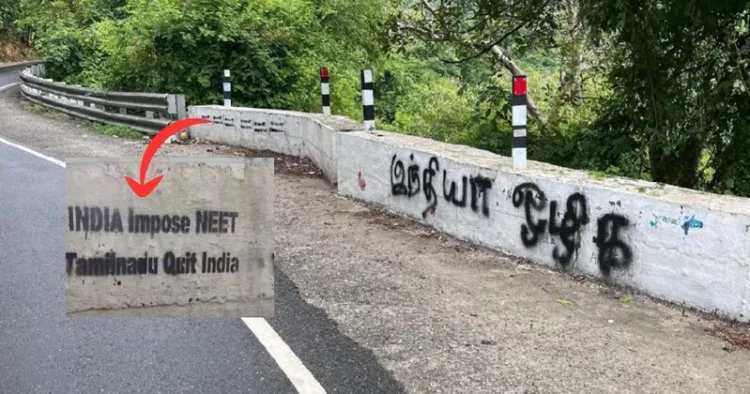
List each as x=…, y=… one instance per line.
x=79, y=102
x=181, y=107
x=325, y=91
x=175, y=107
x=518, y=103
x=227, y=85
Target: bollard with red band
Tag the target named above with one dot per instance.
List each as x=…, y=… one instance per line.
x=325, y=90
x=518, y=103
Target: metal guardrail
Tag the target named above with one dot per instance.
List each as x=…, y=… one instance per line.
x=14, y=66
x=145, y=112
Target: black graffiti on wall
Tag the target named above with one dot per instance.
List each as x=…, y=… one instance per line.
x=480, y=187
x=573, y=219
x=276, y=127
x=410, y=181
x=260, y=127
x=246, y=124
x=614, y=253
x=398, y=177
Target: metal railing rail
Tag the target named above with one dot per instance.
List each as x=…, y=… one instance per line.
x=13, y=66
x=145, y=112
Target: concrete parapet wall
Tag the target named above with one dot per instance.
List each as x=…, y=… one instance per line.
x=291, y=133
x=679, y=245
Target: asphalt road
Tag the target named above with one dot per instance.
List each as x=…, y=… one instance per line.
x=42, y=351
x=8, y=76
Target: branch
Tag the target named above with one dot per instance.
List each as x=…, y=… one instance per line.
x=739, y=67
x=420, y=32
x=487, y=49
x=501, y=57
x=515, y=70
x=679, y=73
x=471, y=29
x=429, y=8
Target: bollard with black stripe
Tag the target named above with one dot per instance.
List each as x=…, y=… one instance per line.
x=368, y=102
x=227, y=89
x=518, y=102
x=325, y=91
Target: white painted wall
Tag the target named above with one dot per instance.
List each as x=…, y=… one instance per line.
x=287, y=132
x=707, y=268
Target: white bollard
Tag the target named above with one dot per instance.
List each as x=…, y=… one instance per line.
x=518, y=103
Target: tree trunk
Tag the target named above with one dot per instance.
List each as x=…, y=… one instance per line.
x=679, y=167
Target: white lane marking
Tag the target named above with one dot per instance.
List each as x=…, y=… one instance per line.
x=6, y=87
x=292, y=366
x=298, y=374
x=33, y=152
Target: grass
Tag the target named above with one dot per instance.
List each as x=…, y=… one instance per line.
x=104, y=129
x=116, y=131
x=598, y=175
x=47, y=112
x=34, y=107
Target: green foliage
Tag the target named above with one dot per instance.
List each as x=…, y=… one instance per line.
x=676, y=79
x=8, y=14
x=649, y=89
x=116, y=131
x=432, y=110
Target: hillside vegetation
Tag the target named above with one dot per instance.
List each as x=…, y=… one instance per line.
x=650, y=89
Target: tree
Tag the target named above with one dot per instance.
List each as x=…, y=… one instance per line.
x=500, y=28
x=677, y=75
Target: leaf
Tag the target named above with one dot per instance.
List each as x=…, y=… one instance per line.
x=563, y=301
x=626, y=299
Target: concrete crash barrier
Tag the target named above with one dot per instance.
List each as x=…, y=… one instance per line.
x=200, y=245
x=286, y=132
x=679, y=245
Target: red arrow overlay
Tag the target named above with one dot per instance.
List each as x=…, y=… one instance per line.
x=142, y=189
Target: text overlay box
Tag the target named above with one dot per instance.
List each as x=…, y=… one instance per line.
x=200, y=245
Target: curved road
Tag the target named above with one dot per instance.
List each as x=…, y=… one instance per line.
x=8, y=75
x=42, y=351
